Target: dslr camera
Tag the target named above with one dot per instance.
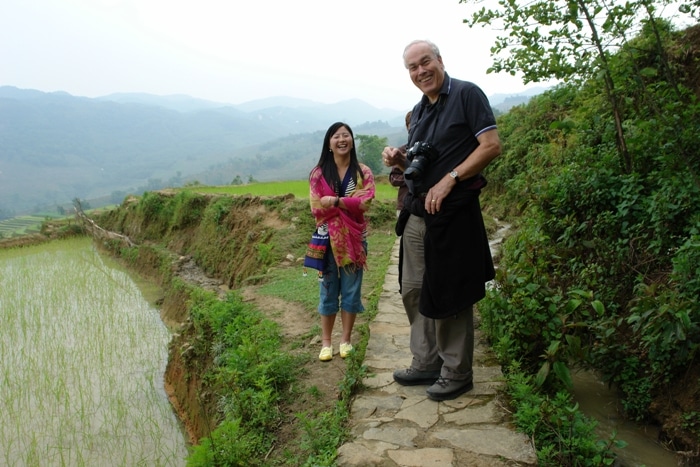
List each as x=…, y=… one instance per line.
x=421, y=154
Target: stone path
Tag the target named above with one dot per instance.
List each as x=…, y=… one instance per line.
x=394, y=425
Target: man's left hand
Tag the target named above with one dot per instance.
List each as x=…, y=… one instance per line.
x=437, y=194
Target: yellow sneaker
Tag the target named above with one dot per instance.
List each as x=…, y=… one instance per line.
x=345, y=349
x=326, y=354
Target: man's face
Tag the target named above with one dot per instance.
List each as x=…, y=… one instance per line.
x=426, y=70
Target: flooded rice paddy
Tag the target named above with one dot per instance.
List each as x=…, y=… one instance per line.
x=82, y=357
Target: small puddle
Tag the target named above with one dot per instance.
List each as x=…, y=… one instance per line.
x=600, y=403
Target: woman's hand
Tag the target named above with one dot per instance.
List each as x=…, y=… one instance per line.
x=360, y=193
x=328, y=201
x=365, y=201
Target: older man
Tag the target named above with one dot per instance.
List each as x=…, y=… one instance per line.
x=445, y=255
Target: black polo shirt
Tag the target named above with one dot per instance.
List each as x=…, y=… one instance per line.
x=451, y=125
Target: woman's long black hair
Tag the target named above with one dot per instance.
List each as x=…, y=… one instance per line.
x=327, y=163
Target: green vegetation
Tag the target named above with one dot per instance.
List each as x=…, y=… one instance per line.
x=249, y=380
x=369, y=151
x=298, y=188
x=251, y=372
x=563, y=435
x=290, y=284
x=21, y=225
x=76, y=388
x=600, y=180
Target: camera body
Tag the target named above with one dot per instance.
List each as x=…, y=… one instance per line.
x=421, y=154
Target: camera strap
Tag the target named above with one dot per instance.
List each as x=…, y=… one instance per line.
x=433, y=126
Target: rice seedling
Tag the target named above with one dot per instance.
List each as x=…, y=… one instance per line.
x=83, y=356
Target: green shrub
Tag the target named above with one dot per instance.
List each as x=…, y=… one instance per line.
x=562, y=434
x=188, y=209
x=230, y=445
x=250, y=372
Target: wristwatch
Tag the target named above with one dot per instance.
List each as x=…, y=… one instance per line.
x=455, y=175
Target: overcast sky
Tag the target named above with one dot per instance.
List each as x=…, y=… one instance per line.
x=234, y=51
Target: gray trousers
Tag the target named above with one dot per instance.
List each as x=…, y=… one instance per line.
x=436, y=344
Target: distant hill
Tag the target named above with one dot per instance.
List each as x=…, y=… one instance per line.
x=277, y=101
x=179, y=102
x=55, y=147
x=504, y=102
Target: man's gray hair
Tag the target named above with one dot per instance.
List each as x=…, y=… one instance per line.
x=432, y=46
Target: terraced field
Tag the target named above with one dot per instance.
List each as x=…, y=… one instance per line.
x=20, y=225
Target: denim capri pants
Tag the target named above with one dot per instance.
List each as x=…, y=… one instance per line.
x=340, y=288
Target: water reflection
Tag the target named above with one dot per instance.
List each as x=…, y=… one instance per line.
x=600, y=403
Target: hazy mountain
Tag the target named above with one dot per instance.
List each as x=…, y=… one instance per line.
x=277, y=101
x=55, y=147
x=503, y=102
x=179, y=102
x=294, y=112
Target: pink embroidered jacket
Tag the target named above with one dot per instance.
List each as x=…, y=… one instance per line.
x=346, y=227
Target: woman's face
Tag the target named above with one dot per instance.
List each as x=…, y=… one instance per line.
x=341, y=142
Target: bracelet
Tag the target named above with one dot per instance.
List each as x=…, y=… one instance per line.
x=337, y=201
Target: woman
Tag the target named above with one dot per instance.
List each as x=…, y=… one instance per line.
x=341, y=190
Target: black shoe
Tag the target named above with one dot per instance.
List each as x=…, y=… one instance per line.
x=446, y=389
x=411, y=377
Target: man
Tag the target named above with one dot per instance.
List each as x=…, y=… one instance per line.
x=445, y=255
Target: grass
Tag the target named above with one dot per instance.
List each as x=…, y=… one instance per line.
x=291, y=285
x=298, y=188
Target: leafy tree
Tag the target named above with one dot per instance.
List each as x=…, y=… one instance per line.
x=370, y=150
x=569, y=40
x=603, y=171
